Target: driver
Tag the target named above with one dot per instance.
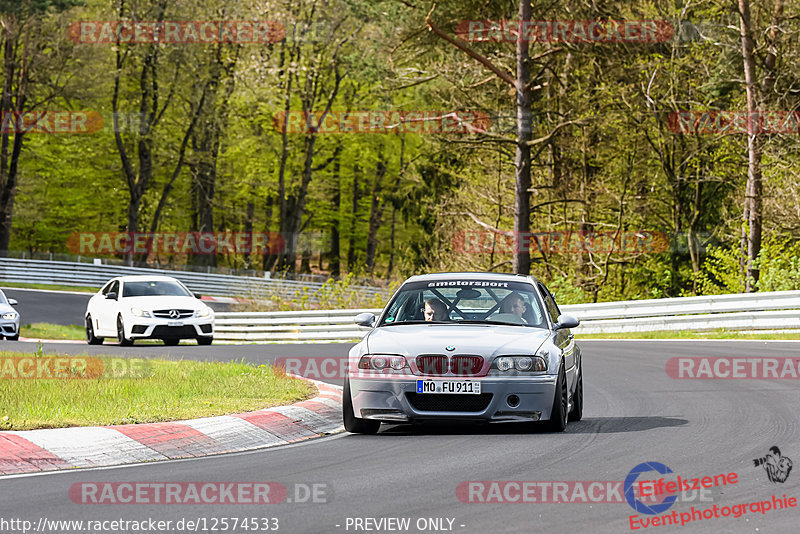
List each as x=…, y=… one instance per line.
x=435, y=310
x=514, y=303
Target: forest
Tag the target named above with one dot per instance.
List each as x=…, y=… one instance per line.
x=616, y=150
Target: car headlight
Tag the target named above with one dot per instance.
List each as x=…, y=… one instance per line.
x=138, y=312
x=203, y=312
x=523, y=364
x=382, y=362
x=520, y=363
x=10, y=315
x=505, y=363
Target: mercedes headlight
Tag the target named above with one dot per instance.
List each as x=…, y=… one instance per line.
x=138, y=312
x=203, y=312
x=10, y=315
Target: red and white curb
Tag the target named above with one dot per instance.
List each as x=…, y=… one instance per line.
x=221, y=300
x=29, y=451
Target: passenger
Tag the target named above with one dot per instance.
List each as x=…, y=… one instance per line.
x=514, y=303
x=435, y=310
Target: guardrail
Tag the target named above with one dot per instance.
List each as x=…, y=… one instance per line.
x=313, y=325
x=751, y=311
x=84, y=274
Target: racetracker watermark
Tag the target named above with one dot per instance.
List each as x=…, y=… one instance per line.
x=195, y=243
x=566, y=31
x=382, y=122
x=561, y=492
x=560, y=242
x=213, y=493
x=72, y=367
x=734, y=122
x=315, y=367
x=382, y=366
x=732, y=368
x=176, y=32
x=51, y=122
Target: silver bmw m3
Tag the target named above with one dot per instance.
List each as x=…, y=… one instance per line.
x=467, y=347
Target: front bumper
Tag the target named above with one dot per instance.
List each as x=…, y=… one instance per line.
x=502, y=399
x=158, y=328
x=9, y=327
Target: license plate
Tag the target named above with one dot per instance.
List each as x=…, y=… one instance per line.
x=175, y=323
x=459, y=387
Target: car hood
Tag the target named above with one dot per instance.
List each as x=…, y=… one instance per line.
x=163, y=303
x=484, y=340
x=5, y=308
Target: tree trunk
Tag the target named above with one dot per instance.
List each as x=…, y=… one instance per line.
x=375, y=214
x=522, y=161
x=248, y=228
x=272, y=257
x=9, y=162
x=351, y=246
x=335, y=261
x=756, y=106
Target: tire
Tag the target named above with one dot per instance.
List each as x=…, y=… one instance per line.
x=123, y=341
x=558, y=414
x=352, y=423
x=171, y=342
x=205, y=340
x=13, y=338
x=576, y=414
x=91, y=339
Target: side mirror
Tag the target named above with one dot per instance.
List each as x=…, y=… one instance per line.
x=13, y=302
x=198, y=296
x=566, y=321
x=365, y=319
x=111, y=296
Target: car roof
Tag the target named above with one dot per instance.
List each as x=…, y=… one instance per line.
x=503, y=277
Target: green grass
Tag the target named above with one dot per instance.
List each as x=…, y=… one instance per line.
x=688, y=334
x=162, y=391
x=53, y=287
x=52, y=331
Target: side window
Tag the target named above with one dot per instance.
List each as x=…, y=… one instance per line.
x=107, y=288
x=550, y=303
x=396, y=309
x=115, y=288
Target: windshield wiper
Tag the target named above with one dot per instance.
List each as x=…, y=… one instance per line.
x=489, y=321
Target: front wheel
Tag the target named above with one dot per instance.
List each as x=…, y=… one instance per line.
x=558, y=414
x=206, y=340
x=13, y=338
x=123, y=341
x=352, y=423
x=91, y=339
x=171, y=342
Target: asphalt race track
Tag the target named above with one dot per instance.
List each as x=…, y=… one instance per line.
x=48, y=306
x=634, y=413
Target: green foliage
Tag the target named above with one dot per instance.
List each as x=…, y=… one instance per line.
x=565, y=292
x=36, y=7
x=721, y=272
x=779, y=264
x=609, y=158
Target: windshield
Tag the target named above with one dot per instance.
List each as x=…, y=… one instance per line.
x=154, y=289
x=466, y=301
